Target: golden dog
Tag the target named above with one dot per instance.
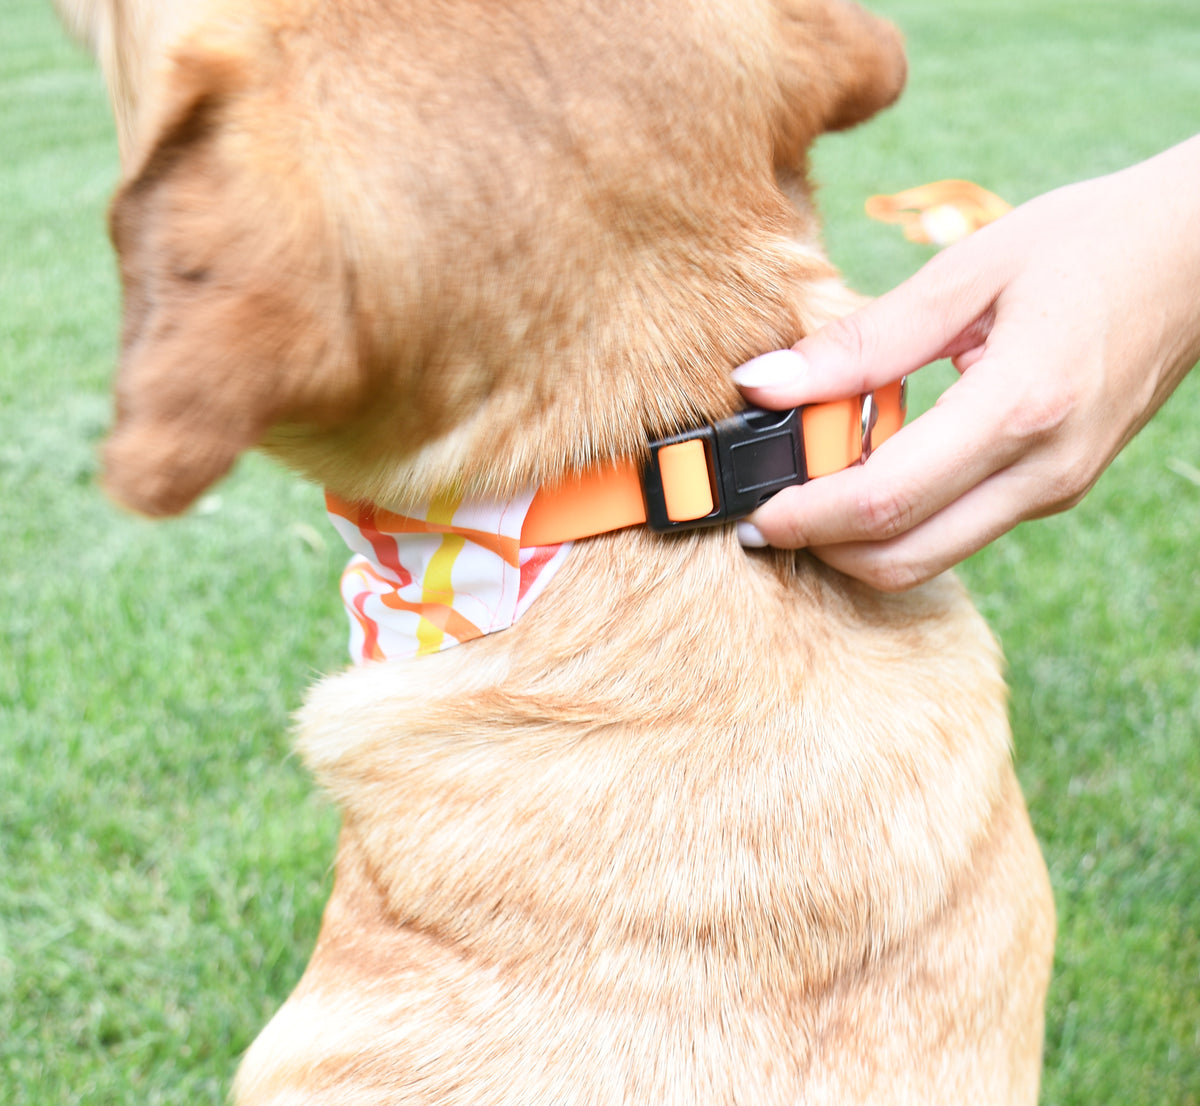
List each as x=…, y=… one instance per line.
x=705, y=825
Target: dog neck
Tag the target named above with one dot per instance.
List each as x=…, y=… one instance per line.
x=437, y=576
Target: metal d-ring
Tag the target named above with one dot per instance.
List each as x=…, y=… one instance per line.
x=870, y=416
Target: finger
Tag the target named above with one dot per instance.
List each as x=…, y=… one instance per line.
x=942, y=310
x=940, y=542
x=960, y=442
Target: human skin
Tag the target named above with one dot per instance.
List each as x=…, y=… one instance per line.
x=1070, y=321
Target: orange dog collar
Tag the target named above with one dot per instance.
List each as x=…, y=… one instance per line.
x=716, y=473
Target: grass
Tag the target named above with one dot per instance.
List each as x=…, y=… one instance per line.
x=163, y=858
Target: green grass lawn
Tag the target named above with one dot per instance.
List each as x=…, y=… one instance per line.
x=163, y=857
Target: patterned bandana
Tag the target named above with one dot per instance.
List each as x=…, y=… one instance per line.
x=424, y=582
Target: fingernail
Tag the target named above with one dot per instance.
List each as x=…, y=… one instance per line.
x=750, y=535
x=771, y=370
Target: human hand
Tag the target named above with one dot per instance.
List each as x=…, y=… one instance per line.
x=1070, y=321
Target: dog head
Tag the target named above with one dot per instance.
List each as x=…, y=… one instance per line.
x=403, y=246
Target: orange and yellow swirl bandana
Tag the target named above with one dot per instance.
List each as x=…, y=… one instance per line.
x=423, y=582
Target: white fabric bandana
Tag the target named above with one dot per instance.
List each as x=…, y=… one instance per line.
x=426, y=581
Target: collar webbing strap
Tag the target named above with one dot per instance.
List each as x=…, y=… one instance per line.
x=716, y=473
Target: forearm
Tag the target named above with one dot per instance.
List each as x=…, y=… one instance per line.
x=1167, y=190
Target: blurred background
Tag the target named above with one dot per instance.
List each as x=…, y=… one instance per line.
x=164, y=858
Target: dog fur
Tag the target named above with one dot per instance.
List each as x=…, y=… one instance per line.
x=705, y=826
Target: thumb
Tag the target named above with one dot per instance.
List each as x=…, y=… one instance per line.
x=941, y=311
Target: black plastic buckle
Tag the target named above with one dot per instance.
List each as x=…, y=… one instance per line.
x=751, y=456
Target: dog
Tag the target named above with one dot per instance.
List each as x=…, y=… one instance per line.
x=699, y=825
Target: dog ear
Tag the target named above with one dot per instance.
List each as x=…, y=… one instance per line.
x=837, y=65
x=82, y=19
x=226, y=282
